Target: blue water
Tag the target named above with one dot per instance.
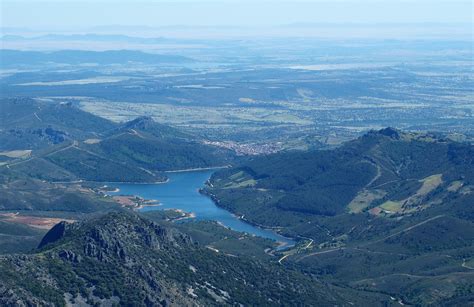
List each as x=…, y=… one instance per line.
x=182, y=192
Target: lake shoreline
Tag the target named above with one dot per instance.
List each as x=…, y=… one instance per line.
x=111, y=182
x=185, y=192
x=282, y=245
x=196, y=169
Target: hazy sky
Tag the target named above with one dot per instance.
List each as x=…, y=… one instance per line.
x=62, y=14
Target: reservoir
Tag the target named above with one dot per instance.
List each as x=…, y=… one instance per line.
x=182, y=192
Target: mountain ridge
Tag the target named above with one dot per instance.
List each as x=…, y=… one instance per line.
x=125, y=259
x=63, y=143
x=389, y=212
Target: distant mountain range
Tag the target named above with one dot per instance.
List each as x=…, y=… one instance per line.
x=15, y=58
x=87, y=37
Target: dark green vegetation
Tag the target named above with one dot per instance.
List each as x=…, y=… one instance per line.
x=390, y=212
x=58, y=142
x=124, y=259
x=29, y=124
x=35, y=195
x=213, y=235
x=49, y=150
x=25, y=201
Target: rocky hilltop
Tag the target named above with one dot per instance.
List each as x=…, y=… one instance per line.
x=122, y=258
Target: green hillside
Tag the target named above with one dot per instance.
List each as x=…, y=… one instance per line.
x=32, y=124
x=388, y=171
x=59, y=142
x=124, y=259
x=389, y=212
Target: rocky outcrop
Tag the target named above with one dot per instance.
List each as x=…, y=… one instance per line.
x=54, y=234
x=125, y=259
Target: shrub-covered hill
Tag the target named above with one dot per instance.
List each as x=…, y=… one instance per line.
x=59, y=142
x=389, y=212
x=138, y=154
x=143, y=143
x=28, y=124
x=387, y=171
x=125, y=259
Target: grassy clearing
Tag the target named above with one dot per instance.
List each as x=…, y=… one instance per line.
x=23, y=154
x=236, y=175
x=92, y=141
x=392, y=206
x=240, y=180
x=467, y=189
x=455, y=186
x=33, y=221
x=364, y=199
x=469, y=263
x=242, y=184
x=429, y=184
x=415, y=201
x=246, y=183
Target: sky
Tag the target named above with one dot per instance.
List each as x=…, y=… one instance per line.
x=62, y=14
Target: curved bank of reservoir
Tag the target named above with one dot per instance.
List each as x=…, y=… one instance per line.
x=182, y=192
